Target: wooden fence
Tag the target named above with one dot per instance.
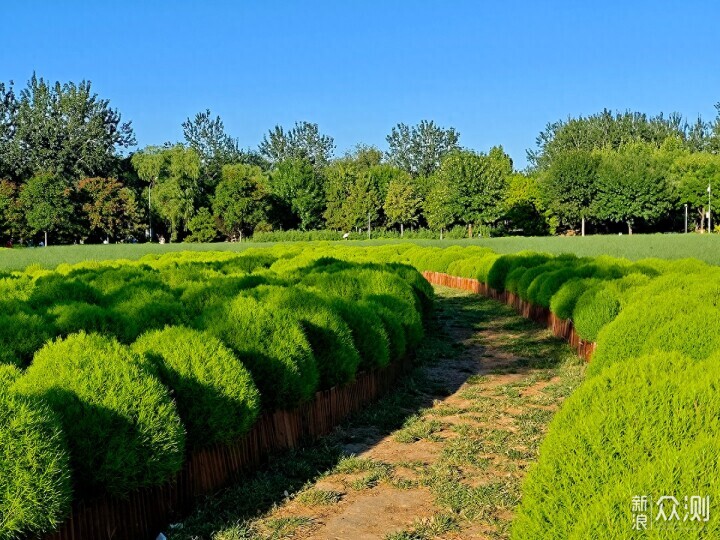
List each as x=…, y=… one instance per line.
x=147, y=512
x=560, y=327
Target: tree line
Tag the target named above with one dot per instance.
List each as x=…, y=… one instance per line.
x=67, y=175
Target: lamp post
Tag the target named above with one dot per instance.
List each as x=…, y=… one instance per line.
x=150, y=209
x=686, y=217
x=709, y=190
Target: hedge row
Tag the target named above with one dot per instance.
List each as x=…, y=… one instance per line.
x=129, y=365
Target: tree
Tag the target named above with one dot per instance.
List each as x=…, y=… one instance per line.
x=297, y=184
x=45, y=201
x=401, y=204
x=174, y=171
x=303, y=141
x=690, y=176
x=631, y=185
x=525, y=210
x=441, y=207
x=420, y=149
x=111, y=208
x=206, y=135
x=340, y=175
x=604, y=130
x=240, y=201
x=10, y=211
x=479, y=181
x=62, y=129
x=569, y=186
x=202, y=227
x=363, y=203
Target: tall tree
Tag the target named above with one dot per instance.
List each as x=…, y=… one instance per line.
x=479, y=181
x=569, y=186
x=525, y=208
x=631, y=185
x=420, y=149
x=173, y=176
x=304, y=141
x=240, y=201
x=64, y=129
x=206, y=135
x=363, y=203
x=296, y=183
x=402, y=204
x=441, y=207
x=45, y=200
x=111, y=208
x=10, y=211
x=690, y=176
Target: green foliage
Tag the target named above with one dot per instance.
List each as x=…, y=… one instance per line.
x=596, y=307
x=298, y=185
x=215, y=394
x=202, y=227
x=34, y=468
x=21, y=334
x=272, y=345
x=646, y=427
x=329, y=335
x=419, y=149
x=303, y=141
x=564, y=300
x=240, y=201
x=45, y=203
x=119, y=421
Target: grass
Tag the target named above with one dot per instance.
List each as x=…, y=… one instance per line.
x=638, y=246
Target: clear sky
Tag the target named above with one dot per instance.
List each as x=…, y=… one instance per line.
x=496, y=71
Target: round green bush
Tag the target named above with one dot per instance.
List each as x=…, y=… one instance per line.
x=513, y=279
x=329, y=335
x=140, y=309
x=121, y=425
x=648, y=427
x=368, y=331
x=383, y=288
x=272, y=345
x=72, y=317
x=60, y=288
x=564, y=300
x=674, y=312
x=215, y=394
x=541, y=291
x=594, y=309
x=505, y=264
x=35, y=488
x=21, y=334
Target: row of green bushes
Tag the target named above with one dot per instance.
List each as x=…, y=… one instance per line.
x=646, y=421
x=129, y=365
x=456, y=232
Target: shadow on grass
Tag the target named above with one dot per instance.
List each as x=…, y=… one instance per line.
x=458, y=317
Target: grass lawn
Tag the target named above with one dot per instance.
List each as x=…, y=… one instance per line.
x=638, y=246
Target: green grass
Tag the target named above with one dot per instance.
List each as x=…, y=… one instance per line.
x=638, y=246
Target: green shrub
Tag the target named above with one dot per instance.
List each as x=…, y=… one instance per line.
x=215, y=394
x=675, y=312
x=76, y=316
x=21, y=334
x=564, y=300
x=648, y=427
x=140, y=309
x=271, y=345
x=594, y=309
x=513, y=279
x=383, y=288
x=505, y=264
x=329, y=335
x=541, y=291
x=120, y=423
x=368, y=331
x=54, y=288
x=34, y=468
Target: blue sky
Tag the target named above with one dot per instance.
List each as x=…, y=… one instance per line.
x=496, y=71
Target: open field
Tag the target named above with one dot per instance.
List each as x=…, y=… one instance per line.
x=665, y=246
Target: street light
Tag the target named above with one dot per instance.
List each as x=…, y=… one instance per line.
x=686, y=217
x=709, y=190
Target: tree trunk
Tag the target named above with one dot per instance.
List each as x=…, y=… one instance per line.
x=45, y=238
x=441, y=233
x=401, y=230
x=240, y=237
x=582, y=227
x=629, y=224
x=470, y=230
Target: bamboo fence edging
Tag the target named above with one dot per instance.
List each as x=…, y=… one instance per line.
x=147, y=512
x=562, y=328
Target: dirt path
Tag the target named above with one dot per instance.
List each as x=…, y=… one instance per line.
x=442, y=457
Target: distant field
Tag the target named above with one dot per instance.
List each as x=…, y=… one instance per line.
x=665, y=246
